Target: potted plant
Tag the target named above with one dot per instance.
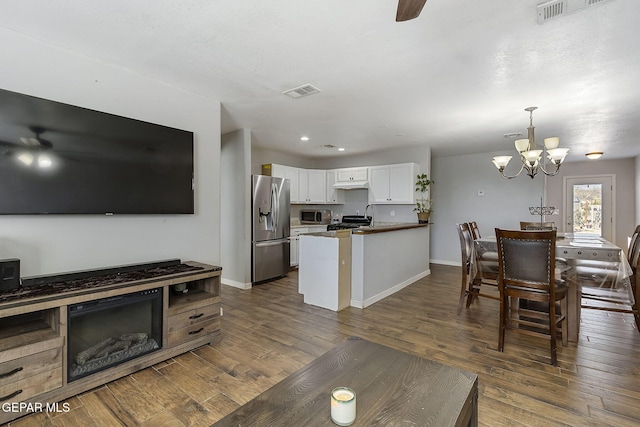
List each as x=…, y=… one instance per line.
x=423, y=205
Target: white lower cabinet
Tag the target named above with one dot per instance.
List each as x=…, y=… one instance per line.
x=295, y=244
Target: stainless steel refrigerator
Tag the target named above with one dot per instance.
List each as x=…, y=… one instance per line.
x=270, y=232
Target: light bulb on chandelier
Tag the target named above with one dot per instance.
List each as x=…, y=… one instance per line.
x=532, y=157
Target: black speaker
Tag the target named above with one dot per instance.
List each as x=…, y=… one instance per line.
x=9, y=274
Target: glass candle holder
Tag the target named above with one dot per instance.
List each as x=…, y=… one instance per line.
x=343, y=406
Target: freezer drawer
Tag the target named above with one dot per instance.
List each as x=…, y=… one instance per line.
x=270, y=259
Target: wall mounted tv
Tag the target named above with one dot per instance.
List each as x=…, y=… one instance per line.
x=61, y=159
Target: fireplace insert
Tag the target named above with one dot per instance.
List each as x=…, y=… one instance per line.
x=106, y=332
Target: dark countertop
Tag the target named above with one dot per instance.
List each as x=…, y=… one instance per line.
x=383, y=228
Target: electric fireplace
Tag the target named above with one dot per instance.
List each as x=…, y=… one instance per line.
x=106, y=332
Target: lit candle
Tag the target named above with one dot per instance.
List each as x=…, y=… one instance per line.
x=343, y=406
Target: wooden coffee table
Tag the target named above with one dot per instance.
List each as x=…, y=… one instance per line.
x=392, y=388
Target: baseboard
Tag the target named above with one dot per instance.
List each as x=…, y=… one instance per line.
x=437, y=261
x=235, y=284
x=390, y=291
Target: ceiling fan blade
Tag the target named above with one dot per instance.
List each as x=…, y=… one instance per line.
x=409, y=9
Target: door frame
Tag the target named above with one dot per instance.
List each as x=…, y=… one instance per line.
x=565, y=208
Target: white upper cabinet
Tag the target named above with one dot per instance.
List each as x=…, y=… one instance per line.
x=352, y=174
x=312, y=186
x=393, y=184
x=292, y=175
x=334, y=196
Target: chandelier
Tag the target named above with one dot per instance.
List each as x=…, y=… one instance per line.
x=532, y=157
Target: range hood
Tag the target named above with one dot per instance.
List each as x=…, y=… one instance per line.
x=351, y=185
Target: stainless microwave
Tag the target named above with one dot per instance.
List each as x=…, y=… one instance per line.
x=315, y=216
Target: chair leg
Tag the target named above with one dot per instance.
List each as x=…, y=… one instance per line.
x=474, y=289
x=564, y=324
x=463, y=294
x=553, y=332
x=501, y=327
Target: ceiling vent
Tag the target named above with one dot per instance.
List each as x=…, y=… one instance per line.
x=555, y=8
x=300, y=91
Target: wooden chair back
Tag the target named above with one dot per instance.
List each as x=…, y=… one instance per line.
x=481, y=273
x=527, y=272
x=525, y=225
x=466, y=249
x=633, y=253
x=475, y=231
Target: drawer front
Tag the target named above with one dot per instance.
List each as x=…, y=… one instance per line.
x=28, y=366
x=191, y=317
x=194, y=331
x=39, y=373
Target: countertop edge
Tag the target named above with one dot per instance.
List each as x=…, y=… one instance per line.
x=386, y=228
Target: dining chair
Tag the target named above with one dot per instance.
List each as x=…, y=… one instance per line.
x=527, y=271
x=524, y=225
x=603, y=275
x=475, y=271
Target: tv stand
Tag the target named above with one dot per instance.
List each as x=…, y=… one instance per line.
x=33, y=333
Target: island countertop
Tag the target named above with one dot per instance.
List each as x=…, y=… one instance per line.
x=382, y=228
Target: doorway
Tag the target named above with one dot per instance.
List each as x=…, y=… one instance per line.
x=588, y=205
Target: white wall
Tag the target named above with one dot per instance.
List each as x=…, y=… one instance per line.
x=57, y=243
x=458, y=179
x=235, y=234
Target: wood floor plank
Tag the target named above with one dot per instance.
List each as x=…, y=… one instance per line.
x=268, y=333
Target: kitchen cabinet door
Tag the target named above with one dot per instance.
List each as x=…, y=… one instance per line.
x=295, y=245
x=379, y=184
x=334, y=196
x=292, y=175
x=352, y=174
x=392, y=184
x=402, y=183
x=312, y=186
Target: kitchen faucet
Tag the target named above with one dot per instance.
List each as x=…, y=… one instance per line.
x=365, y=213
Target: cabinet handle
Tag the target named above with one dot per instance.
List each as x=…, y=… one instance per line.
x=196, y=316
x=8, y=374
x=196, y=332
x=9, y=396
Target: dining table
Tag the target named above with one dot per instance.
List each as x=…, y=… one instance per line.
x=608, y=271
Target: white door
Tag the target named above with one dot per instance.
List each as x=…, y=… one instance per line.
x=588, y=205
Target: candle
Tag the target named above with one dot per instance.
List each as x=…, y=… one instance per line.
x=343, y=406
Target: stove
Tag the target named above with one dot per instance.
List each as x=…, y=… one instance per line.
x=350, y=221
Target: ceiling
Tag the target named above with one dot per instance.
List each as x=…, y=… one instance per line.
x=457, y=78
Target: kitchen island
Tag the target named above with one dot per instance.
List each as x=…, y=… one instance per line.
x=384, y=259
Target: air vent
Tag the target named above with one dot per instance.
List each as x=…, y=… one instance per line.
x=555, y=8
x=329, y=146
x=551, y=9
x=300, y=91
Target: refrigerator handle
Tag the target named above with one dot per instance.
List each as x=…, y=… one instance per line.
x=274, y=206
x=271, y=243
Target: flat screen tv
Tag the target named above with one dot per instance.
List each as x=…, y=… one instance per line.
x=57, y=158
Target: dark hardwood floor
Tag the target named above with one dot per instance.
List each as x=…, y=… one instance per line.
x=268, y=333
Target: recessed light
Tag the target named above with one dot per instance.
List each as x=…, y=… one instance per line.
x=304, y=138
x=340, y=149
x=594, y=155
